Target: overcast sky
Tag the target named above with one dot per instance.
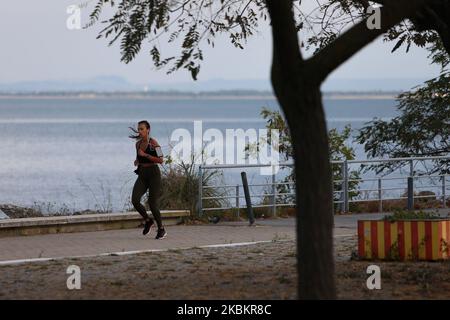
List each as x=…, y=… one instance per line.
x=36, y=45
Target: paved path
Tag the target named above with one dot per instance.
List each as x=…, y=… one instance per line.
x=181, y=236
x=93, y=243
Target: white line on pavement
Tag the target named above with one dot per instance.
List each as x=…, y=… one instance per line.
x=123, y=253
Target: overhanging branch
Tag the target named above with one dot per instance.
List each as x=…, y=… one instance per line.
x=344, y=47
x=436, y=16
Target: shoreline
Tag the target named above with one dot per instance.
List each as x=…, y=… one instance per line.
x=13, y=211
x=193, y=96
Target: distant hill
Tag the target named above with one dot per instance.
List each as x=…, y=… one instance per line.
x=331, y=85
x=117, y=83
x=101, y=83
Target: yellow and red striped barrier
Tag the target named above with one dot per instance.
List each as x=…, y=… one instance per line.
x=404, y=240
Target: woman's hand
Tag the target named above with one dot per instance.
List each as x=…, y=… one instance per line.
x=141, y=153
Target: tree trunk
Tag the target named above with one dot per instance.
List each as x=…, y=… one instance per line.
x=297, y=89
x=314, y=198
x=306, y=120
x=296, y=83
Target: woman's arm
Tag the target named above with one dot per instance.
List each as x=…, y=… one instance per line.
x=159, y=159
x=155, y=144
x=154, y=159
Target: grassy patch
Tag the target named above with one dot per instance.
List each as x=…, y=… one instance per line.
x=411, y=215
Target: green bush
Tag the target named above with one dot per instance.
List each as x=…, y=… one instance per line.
x=411, y=215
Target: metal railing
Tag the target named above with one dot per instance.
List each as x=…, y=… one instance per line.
x=344, y=194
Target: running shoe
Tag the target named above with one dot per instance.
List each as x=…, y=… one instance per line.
x=161, y=234
x=148, y=224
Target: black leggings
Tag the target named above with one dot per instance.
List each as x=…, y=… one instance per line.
x=149, y=178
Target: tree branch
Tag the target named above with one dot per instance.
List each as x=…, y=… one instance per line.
x=284, y=37
x=436, y=16
x=353, y=40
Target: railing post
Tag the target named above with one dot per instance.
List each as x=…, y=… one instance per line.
x=200, y=191
x=443, y=192
x=411, y=185
x=411, y=168
x=380, y=199
x=341, y=194
x=237, y=200
x=274, y=190
x=410, y=193
x=345, y=178
x=247, y=198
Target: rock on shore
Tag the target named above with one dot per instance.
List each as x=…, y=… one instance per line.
x=12, y=211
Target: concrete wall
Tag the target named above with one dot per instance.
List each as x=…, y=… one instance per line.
x=82, y=223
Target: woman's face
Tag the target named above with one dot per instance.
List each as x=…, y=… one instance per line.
x=143, y=131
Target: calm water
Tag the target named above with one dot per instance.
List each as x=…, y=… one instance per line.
x=77, y=151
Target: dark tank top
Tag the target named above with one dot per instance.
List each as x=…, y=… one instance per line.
x=150, y=150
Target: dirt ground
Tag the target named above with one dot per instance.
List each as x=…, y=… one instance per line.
x=262, y=271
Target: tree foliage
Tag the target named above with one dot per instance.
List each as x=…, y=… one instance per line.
x=422, y=129
x=186, y=23
x=190, y=24
x=423, y=126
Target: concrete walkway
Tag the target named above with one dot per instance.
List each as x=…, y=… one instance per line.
x=117, y=241
x=16, y=249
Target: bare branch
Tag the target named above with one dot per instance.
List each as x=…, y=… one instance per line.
x=353, y=40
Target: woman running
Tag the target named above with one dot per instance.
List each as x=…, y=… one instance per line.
x=149, y=154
